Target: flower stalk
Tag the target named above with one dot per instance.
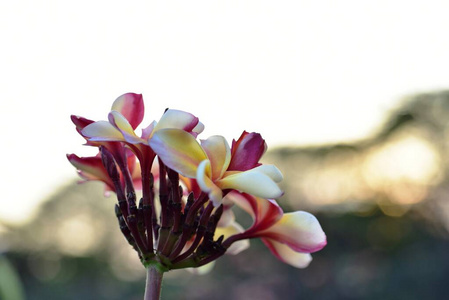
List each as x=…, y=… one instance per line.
x=153, y=284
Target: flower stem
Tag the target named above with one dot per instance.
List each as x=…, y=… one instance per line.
x=153, y=284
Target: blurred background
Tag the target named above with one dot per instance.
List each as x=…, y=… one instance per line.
x=351, y=98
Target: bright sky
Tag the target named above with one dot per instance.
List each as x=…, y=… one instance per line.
x=299, y=72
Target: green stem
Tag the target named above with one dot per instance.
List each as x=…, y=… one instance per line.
x=153, y=284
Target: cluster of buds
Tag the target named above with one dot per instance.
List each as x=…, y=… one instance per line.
x=189, y=188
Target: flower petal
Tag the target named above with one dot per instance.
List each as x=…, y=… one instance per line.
x=252, y=182
x=288, y=255
x=271, y=171
x=191, y=185
x=148, y=131
x=179, y=119
x=206, y=184
x=131, y=106
x=178, y=150
x=265, y=212
x=219, y=154
x=80, y=122
x=227, y=217
x=91, y=168
x=197, y=129
x=122, y=124
x=231, y=230
x=300, y=230
x=203, y=269
x=102, y=131
x=247, y=151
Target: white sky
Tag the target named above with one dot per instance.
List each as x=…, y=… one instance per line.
x=299, y=72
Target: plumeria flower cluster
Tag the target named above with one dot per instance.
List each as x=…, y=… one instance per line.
x=189, y=189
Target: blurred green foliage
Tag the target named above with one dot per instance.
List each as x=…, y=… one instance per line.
x=10, y=284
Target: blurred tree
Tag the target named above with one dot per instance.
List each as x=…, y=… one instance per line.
x=382, y=201
x=10, y=285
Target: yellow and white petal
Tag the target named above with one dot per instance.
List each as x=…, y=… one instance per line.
x=148, y=131
x=219, y=154
x=178, y=119
x=237, y=247
x=206, y=184
x=300, y=230
x=271, y=171
x=203, y=270
x=287, y=254
x=122, y=124
x=252, y=182
x=231, y=230
x=227, y=217
x=198, y=129
x=178, y=150
x=102, y=131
